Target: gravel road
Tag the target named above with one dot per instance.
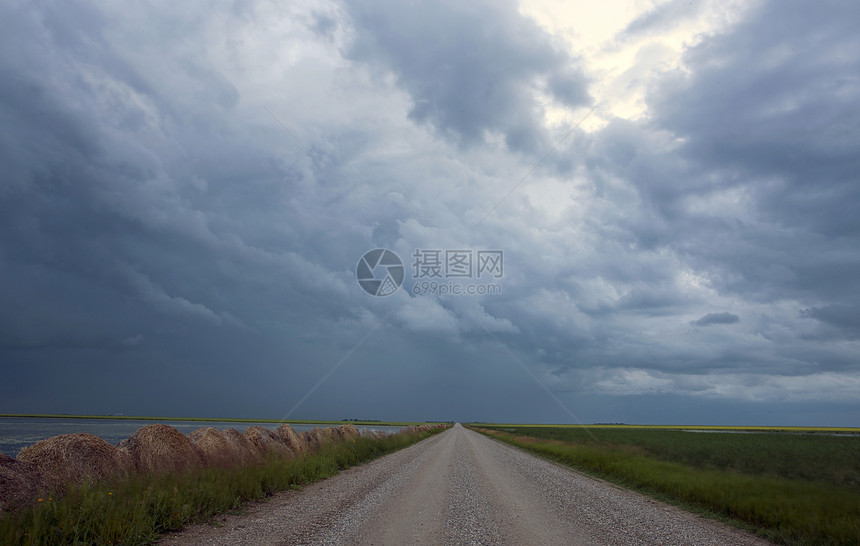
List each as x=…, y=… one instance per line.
x=459, y=487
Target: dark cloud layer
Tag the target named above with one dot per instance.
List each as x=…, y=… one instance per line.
x=471, y=67
x=716, y=318
x=185, y=194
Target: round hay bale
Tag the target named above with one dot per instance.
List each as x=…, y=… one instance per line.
x=214, y=448
x=267, y=442
x=322, y=438
x=408, y=429
x=424, y=428
x=334, y=433
x=311, y=440
x=245, y=450
x=290, y=437
x=326, y=435
x=349, y=432
x=20, y=483
x=157, y=449
x=373, y=433
x=75, y=458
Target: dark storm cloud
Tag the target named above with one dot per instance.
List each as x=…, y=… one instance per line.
x=167, y=246
x=841, y=316
x=739, y=177
x=770, y=106
x=470, y=67
x=760, y=185
x=716, y=318
x=101, y=225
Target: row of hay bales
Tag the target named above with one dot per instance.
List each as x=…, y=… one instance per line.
x=52, y=464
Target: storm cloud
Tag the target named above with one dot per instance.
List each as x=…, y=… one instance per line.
x=716, y=318
x=185, y=194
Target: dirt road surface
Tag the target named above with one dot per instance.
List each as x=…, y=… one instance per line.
x=459, y=487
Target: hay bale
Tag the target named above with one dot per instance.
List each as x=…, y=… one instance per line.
x=75, y=458
x=290, y=437
x=20, y=483
x=243, y=448
x=311, y=440
x=349, y=432
x=373, y=433
x=214, y=448
x=408, y=429
x=334, y=433
x=321, y=437
x=157, y=449
x=268, y=443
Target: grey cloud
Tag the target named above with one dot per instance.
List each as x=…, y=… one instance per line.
x=665, y=16
x=161, y=233
x=770, y=106
x=469, y=67
x=716, y=318
x=842, y=316
x=747, y=148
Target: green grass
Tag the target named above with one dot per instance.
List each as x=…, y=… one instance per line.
x=210, y=419
x=790, y=488
x=831, y=459
x=137, y=510
x=750, y=428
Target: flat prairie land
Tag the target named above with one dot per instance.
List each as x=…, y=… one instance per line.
x=793, y=485
x=726, y=428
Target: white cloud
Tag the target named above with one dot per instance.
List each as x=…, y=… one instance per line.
x=752, y=387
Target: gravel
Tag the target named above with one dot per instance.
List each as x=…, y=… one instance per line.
x=459, y=487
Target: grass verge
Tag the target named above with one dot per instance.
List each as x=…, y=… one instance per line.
x=137, y=510
x=786, y=510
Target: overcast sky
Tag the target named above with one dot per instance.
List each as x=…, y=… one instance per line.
x=185, y=195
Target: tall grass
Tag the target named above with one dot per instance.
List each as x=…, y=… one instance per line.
x=818, y=457
x=787, y=509
x=137, y=510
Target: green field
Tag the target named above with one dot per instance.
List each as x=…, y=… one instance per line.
x=793, y=486
x=726, y=428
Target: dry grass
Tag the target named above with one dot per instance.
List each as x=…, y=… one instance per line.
x=375, y=434
x=290, y=437
x=137, y=509
x=349, y=432
x=75, y=458
x=268, y=443
x=244, y=449
x=158, y=448
x=335, y=433
x=214, y=448
x=323, y=436
x=19, y=483
x=311, y=440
